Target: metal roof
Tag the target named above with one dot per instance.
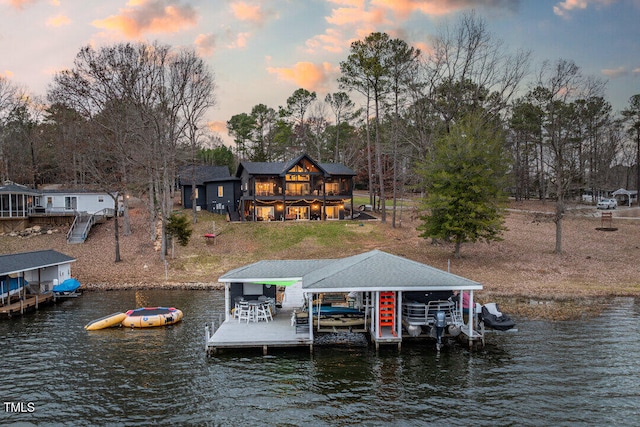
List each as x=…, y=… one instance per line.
x=273, y=270
x=370, y=271
x=201, y=174
x=26, y=261
x=281, y=168
x=12, y=188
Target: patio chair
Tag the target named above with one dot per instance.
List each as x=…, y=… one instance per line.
x=243, y=312
x=263, y=312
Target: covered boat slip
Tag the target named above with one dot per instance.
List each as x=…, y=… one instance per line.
x=380, y=286
x=27, y=279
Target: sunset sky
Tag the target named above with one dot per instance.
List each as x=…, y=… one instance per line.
x=263, y=50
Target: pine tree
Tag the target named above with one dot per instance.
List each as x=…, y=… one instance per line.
x=465, y=184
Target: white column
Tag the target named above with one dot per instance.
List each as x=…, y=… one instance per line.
x=227, y=302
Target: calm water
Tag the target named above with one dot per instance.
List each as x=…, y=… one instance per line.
x=567, y=373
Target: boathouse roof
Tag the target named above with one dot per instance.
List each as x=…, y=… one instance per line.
x=369, y=271
x=16, y=263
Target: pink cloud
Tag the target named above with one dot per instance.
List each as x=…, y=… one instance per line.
x=247, y=12
x=615, y=72
x=356, y=15
x=144, y=16
x=563, y=7
x=217, y=126
x=58, y=21
x=205, y=44
x=307, y=74
x=331, y=41
x=240, y=41
x=20, y=4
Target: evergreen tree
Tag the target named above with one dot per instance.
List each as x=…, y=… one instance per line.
x=465, y=183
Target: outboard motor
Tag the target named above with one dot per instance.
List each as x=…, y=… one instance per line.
x=440, y=324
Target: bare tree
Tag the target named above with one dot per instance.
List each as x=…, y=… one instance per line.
x=470, y=67
x=559, y=85
x=141, y=100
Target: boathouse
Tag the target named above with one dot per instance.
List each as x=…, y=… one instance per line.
x=387, y=297
x=27, y=279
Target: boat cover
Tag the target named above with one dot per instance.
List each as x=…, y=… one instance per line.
x=69, y=285
x=493, y=318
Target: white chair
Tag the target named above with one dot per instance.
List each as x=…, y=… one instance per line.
x=263, y=312
x=244, y=312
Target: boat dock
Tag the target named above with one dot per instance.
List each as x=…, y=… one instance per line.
x=31, y=302
x=233, y=334
x=385, y=297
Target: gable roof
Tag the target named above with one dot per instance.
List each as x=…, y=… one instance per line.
x=201, y=174
x=274, y=270
x=370, y=271
x=281, y=168
x=377, y=270
x=16, y=263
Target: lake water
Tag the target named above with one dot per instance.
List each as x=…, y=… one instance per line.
x=53, y=372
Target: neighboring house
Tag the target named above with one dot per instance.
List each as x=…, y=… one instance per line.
x=71, y=201
x=16, y=201
x=298, y=189
x=21, y=207
x=214, y=188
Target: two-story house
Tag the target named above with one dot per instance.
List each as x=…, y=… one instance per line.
x=298, y=189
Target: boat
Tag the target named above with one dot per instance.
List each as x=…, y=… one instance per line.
x=110, y=321
x=67, y=288
x=493, y=318
x=147, y=317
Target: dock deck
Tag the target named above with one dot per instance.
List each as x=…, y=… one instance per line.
x=278, y=333
x=31, y=302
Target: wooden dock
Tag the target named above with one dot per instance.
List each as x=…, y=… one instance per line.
x=278, y=333
x=31, y=302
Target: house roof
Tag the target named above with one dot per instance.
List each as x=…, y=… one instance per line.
x=370, y=271
x=11, y=188
x=16, y=263
x=281, y=168
x=274, y=270
x=201, y=174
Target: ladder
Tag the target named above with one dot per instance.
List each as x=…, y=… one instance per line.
x=387, y=312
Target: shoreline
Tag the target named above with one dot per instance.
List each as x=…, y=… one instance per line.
x=544, y=307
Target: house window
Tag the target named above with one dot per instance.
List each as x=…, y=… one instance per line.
x=71, y=202
x=332, y=212
x=265, y=213
x=220, y=190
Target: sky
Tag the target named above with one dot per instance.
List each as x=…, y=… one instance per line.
x=261, y=51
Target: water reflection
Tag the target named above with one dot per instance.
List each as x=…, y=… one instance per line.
x=564, y=373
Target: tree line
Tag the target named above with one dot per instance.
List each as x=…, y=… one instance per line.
x=125, y=117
